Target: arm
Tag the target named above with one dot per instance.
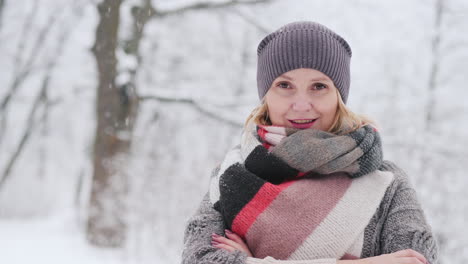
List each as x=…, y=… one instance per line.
x=198, y=248
x=197, y=238
x=405, y=225
x=407, y=256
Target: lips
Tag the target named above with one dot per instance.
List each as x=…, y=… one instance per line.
x=302, y=123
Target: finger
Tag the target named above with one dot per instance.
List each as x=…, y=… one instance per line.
x=240, y=242
x=410, y=253
x=405, y=253
x=410, y=260
x=233, y=236
x=224, y=246
x=226, y=241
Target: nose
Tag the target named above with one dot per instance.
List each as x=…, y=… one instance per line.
x=301, y=104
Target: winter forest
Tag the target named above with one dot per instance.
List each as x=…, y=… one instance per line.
x=114, y=113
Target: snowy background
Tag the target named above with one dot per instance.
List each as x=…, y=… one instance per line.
x=409, y=73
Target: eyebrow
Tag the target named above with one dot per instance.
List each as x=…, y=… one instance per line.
x=314, y=80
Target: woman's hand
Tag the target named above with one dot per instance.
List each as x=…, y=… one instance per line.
x=407, y=256
x=230, y=243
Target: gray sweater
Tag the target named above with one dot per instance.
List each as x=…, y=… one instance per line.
x=399, y=223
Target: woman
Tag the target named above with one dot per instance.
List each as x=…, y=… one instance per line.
x=307, y=183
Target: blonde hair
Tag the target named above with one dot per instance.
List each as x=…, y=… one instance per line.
x=345, y=121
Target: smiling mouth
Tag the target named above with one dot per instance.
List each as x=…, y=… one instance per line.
x=302, y=121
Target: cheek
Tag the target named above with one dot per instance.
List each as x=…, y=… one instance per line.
x=276, y=115
x=277, y=108
x=328, y=110
x=331, y=112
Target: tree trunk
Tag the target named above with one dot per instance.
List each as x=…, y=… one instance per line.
x=115, y=111
x=2, y=5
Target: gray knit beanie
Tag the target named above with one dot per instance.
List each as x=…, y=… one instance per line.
x=304, y=44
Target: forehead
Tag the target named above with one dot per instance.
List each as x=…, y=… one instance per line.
x=305, y=73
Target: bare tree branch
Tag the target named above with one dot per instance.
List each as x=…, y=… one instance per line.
x=41, y=100
x=25, y=33
x=17, y=57
x=148, y=11
x=31, y=122
x=23, y=70
x=44, y=132
x=205, y=6
x=141, y=15
x=455, y=47
x=2, y=6
x=263, y=29
x=196, y=105
x=434, y=72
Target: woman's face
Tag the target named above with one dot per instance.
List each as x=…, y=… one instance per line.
x=302, y=98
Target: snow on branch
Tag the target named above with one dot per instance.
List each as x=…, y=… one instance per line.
x=202, y=109
x=252, y=21
x=204, y=6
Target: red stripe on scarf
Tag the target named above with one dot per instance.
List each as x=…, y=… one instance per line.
x=262, y=133
x=300, y=174
x=295, y=214
x=247, y=216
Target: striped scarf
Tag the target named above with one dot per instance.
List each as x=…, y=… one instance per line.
x=301, y=194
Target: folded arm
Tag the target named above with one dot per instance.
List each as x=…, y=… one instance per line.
x=405, y=226
x=198, y=248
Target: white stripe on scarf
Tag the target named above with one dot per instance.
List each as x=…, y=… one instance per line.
x=343, y=225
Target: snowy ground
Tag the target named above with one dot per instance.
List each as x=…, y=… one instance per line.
x=54, y=239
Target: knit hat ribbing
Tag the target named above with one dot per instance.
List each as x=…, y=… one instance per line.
x=304, y=44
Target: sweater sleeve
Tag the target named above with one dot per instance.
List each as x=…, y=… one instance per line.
x=197, y=238
x=405, y=225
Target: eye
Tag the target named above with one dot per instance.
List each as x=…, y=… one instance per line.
x=319, y=86
x=283, y=85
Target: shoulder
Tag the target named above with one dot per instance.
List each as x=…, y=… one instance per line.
x=400, y=192
x=400, y=195
x=400, y=177
x=391, y=166
x=391, y=177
